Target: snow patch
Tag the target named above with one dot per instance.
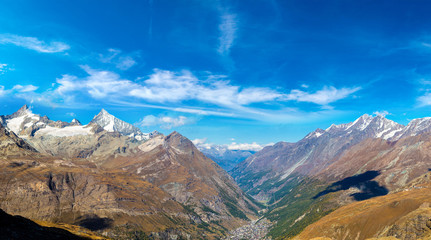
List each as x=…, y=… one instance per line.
x=391, y=134
x=64, y=132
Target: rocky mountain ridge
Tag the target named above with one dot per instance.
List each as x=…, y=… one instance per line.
x=112, y=124
x=24, y=123
x=319, y=149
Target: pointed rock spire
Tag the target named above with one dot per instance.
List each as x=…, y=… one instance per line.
x=22, y=111
x=75, y=122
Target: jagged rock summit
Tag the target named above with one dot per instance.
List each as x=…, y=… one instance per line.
x=112, y=124
x=24, y=123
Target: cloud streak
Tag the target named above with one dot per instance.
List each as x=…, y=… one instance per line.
x=18, y=89
x=424, y=100
x=184, y=92
x=164, y=86
x=165, y=121
x=323, y=97
x=227, y=27
x=119, y=60
x=33, y=43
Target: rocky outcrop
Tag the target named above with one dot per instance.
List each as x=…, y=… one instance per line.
x=10, y=144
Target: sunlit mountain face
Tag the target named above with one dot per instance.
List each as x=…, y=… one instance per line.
x=215, y=119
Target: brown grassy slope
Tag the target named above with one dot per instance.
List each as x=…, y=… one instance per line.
x=385, y=216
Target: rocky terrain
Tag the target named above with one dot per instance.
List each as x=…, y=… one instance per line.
x=114, y=184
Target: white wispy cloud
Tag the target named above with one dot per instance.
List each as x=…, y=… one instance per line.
x=117, y=58
x=324, y=96
x=3, y=92
x=5, y=68
x=245, y=146
x=17, y=90
x=182, y=91
x=227, y=27
x=383, y=113
x=424, y=83
x=424, y=100
x=165, y=87
x=25, y=88
x=165, y=122
x=34, y=43
x=125, y=62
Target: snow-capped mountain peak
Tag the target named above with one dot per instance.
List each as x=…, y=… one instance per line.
x=368, y=125
x=20, y=120
x=112, y=124
x=315, y=134
x=415, y=127
x=75, y=122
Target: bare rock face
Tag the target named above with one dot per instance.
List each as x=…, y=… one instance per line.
x=57, y=190
x=97, y=145
x=10, y=144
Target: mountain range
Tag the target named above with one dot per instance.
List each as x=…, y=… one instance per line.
x=109, y=177
x=368, y=179
x=224, y=156
x=365, y=159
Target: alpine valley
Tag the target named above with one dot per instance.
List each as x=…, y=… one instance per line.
x=368, y=179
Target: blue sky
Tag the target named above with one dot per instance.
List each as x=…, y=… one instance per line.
x=227, y=71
